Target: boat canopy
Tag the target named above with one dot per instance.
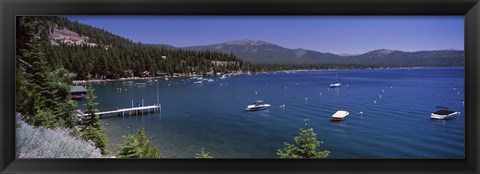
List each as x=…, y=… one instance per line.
x=443, y=112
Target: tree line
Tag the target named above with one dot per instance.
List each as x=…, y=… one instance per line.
x=116, y=57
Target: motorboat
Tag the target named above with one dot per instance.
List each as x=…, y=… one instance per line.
x=258, y=105
x=340, y=115
x=443, y=113
x=141, y=84
x=198, y=82
x=335, y=85
x=128, y=83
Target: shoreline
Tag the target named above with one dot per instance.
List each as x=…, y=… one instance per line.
x=77, y=82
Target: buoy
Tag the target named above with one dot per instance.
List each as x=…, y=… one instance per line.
x=380, y=96
x=360, y=113
x=375, y=102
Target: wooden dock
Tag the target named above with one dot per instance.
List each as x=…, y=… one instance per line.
x=132, y=110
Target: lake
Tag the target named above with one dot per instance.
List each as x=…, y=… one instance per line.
x=396, y=106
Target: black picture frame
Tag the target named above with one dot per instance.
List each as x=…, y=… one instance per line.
x=9, y=9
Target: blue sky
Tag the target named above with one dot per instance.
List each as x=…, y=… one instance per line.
x=334, y=34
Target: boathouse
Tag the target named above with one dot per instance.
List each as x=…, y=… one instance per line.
x=78, y=92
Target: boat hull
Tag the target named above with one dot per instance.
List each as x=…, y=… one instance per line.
x=443, y=117
x=257, y=108
x=335, y=85
x=339, y=115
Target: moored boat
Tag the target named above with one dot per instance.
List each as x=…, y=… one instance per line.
x=340, y=115
x=443, y=113
x=141, y=84
x=336, y=84
x=258, y=105
x=128, y=83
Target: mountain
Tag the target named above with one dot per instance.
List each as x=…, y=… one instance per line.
x=418, y=58
x=256, y=51
x=263, y=52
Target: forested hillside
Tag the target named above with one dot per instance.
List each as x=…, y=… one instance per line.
x=96, y=53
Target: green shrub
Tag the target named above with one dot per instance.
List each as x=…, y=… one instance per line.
x=138, y=147
x=203, y=154
x=306, y=146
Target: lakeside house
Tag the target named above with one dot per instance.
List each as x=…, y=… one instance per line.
x=78, y=92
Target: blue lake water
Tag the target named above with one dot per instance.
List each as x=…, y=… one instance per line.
x=211, y=115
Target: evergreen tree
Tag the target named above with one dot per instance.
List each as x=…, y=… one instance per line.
x=98, y=137
x=306, y=146
x=203, y=154
x=92, y=125
x=138, y=147
x=43, y=95
x=130, y=148
x=91, y=120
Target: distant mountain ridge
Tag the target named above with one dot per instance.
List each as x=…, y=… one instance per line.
x=257, y=51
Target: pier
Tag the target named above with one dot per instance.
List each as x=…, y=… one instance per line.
x=132, y=110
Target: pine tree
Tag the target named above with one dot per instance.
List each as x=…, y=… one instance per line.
x=98, y=137
x=92, y=125
x=91, y=120
x=203, y=154
x=306, y=146
x=138, y=147
x=43, y=95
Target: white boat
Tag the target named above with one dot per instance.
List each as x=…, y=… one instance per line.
x=141, y=84
x=336, y=84
x=210, y=80
x=340, y=115
x=443, y=113
x=128, y=83
x=198, y=82
x=223, y=77
x=258, y=105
